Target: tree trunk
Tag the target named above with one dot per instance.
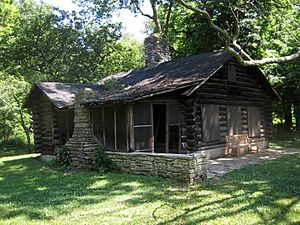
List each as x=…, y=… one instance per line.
x=25, y=128
x=287, y=113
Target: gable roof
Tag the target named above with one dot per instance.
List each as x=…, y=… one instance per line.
x=165, y=77
x=186, y=74
x=62, y=95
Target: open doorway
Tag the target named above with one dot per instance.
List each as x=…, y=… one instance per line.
x=159, y=127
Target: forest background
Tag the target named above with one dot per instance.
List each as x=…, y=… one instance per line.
x=39, y=42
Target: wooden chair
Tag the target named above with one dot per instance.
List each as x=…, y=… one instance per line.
x=237, y=144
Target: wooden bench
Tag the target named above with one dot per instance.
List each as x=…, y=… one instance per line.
x=237, y=145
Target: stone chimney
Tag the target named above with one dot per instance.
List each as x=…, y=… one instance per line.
x=82, y=144
x=156, y=50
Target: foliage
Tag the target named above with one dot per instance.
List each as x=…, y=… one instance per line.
x=41, y=43
x=51, y=44
x=63, y=156
x=34, y=193
x=103, y=162
x=13, y=91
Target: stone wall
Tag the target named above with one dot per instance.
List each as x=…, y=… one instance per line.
x=156, y=50
x=189, y=168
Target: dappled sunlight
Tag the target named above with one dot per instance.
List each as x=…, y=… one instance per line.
x=25, y=156
x=33, y=192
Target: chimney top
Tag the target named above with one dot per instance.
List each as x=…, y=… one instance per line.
x=156, y=50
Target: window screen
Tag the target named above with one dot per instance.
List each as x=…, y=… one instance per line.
x=174, y=126
x=142, y=120
x=142, y=114
x=234, y=120
x=109, y=127
x=254, y=121
x=97, y=122
x=210, y=123
x=121, y=128
x=174, y=138
x=143, y=138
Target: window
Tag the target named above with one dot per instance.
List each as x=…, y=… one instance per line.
x=254, y=121
x=210, y=123
x=234, y=120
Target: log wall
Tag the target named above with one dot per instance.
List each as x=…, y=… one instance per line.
x=249, y=90
x=47, y=133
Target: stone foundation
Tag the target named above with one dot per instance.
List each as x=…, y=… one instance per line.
x=189, y=168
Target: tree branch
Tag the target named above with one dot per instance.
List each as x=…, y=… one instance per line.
x=144, y=14
x=155, y=16
x=166, y=30
x=233, y=47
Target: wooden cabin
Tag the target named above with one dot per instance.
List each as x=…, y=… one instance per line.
x=53, y=115
x=179, y=106
x=183, y=106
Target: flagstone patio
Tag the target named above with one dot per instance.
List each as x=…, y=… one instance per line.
x=221, y=166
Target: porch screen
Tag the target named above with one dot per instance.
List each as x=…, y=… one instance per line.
x=109, y=127
x=174, y=128
x=66, y=125
x=254, y=121
x=234, y=120
x=142, y=123
x=121, y=133
x=97, y=122
x=210, y=123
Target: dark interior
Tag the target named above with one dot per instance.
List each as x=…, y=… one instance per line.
x=159, y=122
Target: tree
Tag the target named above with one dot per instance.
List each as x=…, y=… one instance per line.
x=42, y=43
x=12, y=94
x=231, y=39
x=51, y=44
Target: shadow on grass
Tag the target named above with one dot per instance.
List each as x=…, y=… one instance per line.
x=28, y=187
x=289, y=139
x=14, y=148
x=267, y=192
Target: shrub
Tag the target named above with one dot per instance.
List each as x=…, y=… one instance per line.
x=63, y=155
x=103, y=162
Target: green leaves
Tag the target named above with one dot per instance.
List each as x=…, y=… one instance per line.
x=12, y=93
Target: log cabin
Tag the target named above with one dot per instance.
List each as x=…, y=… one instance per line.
x=167, y=107
x=183, y=106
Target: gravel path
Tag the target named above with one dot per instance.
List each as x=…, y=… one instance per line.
x=221, y=166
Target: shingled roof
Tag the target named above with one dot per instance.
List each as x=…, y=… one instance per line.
x=163, y=78
x=62, y=95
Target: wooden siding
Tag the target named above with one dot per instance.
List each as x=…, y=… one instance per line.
x=248, y=90
x=47, y=126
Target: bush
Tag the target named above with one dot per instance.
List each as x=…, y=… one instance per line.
x=63, y=155
x=102, y=161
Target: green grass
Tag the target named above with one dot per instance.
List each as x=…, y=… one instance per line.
x=286, y=140
x=32, y=192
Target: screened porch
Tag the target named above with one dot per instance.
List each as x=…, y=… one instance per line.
x=138, y=127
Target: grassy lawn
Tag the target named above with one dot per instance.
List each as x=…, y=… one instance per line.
x=286, y=140
x=32, y=192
